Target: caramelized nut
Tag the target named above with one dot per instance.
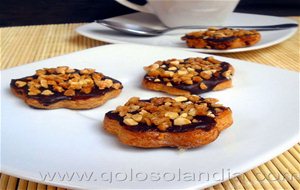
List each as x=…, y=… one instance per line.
x=69, y=92
x=163, y=126
x=227, y=74
x=192, y=112
x=101, y=84
x=169, y=84
x=34, y=91
x=61, y=70
x=172, y=68
x=203, y=86
x=175, y=62
x=87, y=71
x=134, y=108
x=189, y=81
x=58, y=88
x=137, y=117
x=182, y=72
x=183, y=115
x=210, y=114
x=194, y=98
x=20, y=84
x=108, y=82
x=70, y=70
x=152, y=67
x=190, y=69
x=130, y=122
x=97, y=76
x=47, y=92
x=44, y=83
x=181, y=121
x=169, y=73
x=86, y=90
x=180, y=99
x=40, y=72
x=171, y=115
x=206, y=74
x=116, y=86
x=211, y=100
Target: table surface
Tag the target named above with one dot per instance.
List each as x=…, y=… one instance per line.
x=26, y=44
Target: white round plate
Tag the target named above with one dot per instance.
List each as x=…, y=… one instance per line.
x=69, y=148
x=173, y=39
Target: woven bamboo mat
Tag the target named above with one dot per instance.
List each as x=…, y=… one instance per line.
x=22, y=45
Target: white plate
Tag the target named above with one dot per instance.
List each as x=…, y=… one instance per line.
x=172, y=39
x=264, y=101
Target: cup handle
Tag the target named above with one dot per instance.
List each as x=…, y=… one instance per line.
x=142, y=8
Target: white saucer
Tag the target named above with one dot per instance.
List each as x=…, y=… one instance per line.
x=172, y=39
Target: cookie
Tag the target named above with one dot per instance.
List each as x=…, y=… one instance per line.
x=188, y=76
x=182, y=122
x=64, y=87
x=222, y=39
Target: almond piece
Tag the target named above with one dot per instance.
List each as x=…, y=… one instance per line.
x=130, y=122
x=181, y=121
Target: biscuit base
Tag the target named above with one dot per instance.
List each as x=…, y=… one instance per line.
x=176, y=91
x=156, y=139
x=240, y=42
x=70, y=104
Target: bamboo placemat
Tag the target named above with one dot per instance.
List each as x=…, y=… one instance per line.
x=26, y=44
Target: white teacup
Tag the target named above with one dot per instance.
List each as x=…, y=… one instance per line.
x=187, y=12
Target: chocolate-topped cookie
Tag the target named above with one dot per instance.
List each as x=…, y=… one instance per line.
x=64, y=87
x=188, y=76
x=184, y=121
x=222, y=39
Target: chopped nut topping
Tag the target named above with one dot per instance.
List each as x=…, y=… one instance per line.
x=217, y=33
x=67, y=81
x=165, y=112
x=175, y=72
